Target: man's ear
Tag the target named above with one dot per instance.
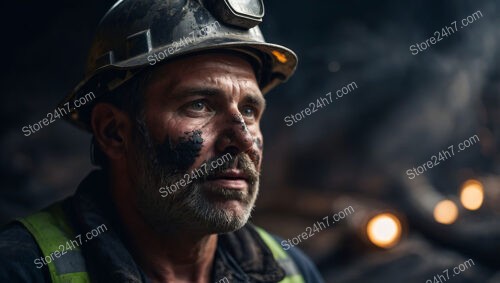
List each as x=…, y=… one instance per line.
x=111, y=128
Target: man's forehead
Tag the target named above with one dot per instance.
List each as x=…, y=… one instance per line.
x=229, y=60
x=205, y=70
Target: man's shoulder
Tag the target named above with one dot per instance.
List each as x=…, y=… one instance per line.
x=305, y=265
x=18, y=251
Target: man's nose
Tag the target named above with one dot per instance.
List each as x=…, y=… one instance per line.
x=235, y=136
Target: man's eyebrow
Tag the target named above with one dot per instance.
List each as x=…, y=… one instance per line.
x=255, y=99
x=195, y=91
x=251, y=98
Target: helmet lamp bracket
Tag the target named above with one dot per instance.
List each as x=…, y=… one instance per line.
x=244, y=14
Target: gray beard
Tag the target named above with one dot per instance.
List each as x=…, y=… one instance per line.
x=191, y=207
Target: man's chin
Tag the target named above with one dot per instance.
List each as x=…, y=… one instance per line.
x=235, y=205
x=235, y=208
x=224, y=217
x=204, y=207
x=229, y=211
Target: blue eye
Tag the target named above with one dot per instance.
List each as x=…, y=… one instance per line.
x=198, y=105
x=248, y=111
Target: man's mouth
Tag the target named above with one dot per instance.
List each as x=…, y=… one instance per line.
x=231, y=179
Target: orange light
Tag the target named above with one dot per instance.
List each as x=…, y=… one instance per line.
x=446, y=212
x=472, y=194
x=280, y=56
x=384, y=230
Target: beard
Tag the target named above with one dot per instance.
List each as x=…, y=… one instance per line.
x=197, y=206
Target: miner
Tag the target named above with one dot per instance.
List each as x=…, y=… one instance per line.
x=152, y=127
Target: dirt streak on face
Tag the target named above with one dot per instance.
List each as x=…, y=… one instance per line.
x=183, y=155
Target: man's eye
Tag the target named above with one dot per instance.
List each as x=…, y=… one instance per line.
x=248, y=111
x=198, y=105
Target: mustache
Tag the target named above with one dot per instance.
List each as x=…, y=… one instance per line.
x=241, y=161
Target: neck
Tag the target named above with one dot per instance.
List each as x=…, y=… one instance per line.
x=178, y=256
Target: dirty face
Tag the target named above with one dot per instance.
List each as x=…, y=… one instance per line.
x=198, y=111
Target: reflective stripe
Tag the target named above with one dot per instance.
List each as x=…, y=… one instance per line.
x=70, y=262
x=52, y=232
x=289, y=266
x=292, y=272
x=79, y=277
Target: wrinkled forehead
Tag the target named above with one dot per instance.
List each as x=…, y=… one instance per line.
x=201, y=68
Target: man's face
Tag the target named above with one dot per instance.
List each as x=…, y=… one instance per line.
x=197, y=110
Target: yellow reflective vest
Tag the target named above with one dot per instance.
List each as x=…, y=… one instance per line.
x=51, y=229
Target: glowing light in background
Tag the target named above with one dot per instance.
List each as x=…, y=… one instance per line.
x=472, y=194
x=384, y=230
x=446, y=212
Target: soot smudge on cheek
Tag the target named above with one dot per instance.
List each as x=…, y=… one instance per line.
x=184, y=153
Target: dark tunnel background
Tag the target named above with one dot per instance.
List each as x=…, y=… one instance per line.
x=353, y=152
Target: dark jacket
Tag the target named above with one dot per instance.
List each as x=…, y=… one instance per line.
x=241, y=256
